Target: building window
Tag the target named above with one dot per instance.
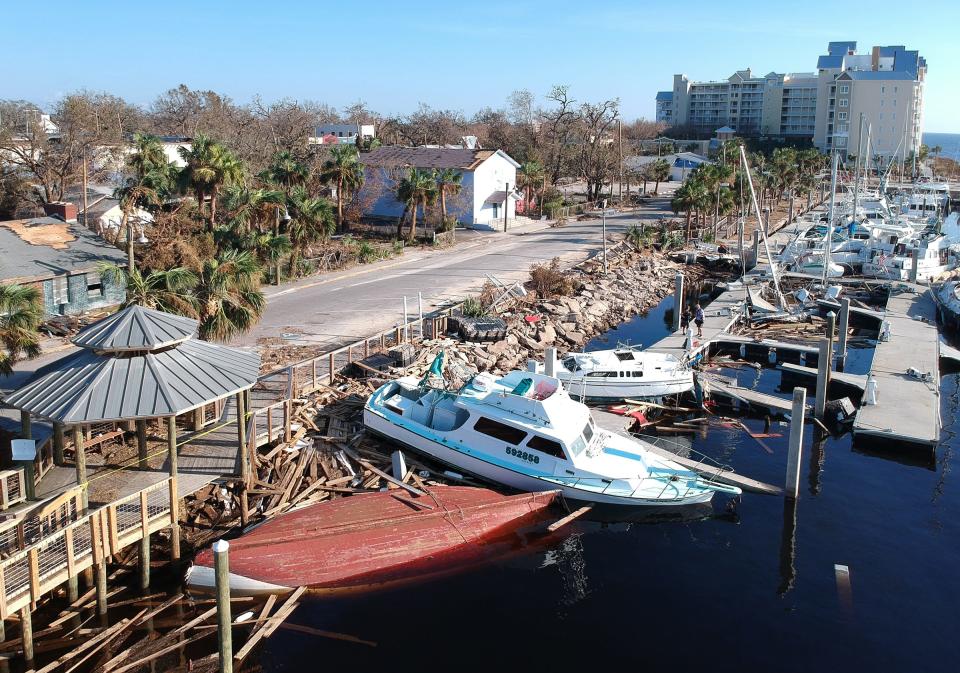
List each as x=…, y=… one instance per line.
x=894, y=89
x=94, y=286
x=841, y=116
x=496, y=210
x=881, y=116
x=894, y=102
x=883, y=89
x=499, y=431
x=844, y=102
x=60, y=290
x=844, y=88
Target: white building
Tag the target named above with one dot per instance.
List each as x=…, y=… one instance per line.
x=488, y=192
x=343, y=134
x=664, y=107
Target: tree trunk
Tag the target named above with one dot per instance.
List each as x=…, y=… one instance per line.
x=543, y=190
x=687, y=239
x=403, y=216
x=656, y=187
x=443, y=207
x=213, y=207
x=124, y=226
x=340, y=204
x=413, y=223
x=294, y=255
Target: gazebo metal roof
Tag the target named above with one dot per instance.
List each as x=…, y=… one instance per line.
x=136, y=328
x=111, y=379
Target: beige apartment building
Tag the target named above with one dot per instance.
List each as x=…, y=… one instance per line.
x=885, y=85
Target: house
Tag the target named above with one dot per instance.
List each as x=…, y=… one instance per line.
x=488, y=188
x=62, y=259
x=681, y=163
x=343, y=134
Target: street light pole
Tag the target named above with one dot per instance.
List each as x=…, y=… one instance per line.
x=604, y=225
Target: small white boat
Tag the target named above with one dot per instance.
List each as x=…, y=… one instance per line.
x=524, y=431
x=623, y=373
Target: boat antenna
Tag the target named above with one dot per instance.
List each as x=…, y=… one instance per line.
x=763, y=234
x=830, y=222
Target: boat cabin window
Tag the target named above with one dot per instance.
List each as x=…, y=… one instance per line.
x=588, y=431
x=499, y=431
x=603, y=375
x=570, y=364
x=547, y=446
x=637, y=375
x=628, y=355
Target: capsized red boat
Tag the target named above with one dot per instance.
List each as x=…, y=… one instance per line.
x=369, y=539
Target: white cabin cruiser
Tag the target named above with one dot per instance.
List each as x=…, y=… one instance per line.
x=522, y=430
x=623, y=373
x=937, y=249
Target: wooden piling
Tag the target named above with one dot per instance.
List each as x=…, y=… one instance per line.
x=792, y=487
x=221, y=552
x=81, y=463
x=677, y=300
x=26, y=633
x=25, y=428
x=823, y=379
x=144, y=543
x=142, y=443
x=842, y=329
x=58, y=444
x=242, y=438
x=174, y=503
x=101, y=580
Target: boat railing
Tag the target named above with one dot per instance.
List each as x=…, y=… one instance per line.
x=667, y=479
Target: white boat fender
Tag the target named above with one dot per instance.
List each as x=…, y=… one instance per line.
x=870, y=391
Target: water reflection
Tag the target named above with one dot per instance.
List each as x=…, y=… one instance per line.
x=788, y=547
x=817, y=457
x=568, y=558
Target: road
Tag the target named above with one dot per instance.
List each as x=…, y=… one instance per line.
x=347, y=306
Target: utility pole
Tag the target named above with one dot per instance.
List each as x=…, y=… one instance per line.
x=506, y=205
x=620, y=140
x=604, y=226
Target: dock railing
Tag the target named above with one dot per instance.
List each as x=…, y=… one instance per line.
x=28, y=574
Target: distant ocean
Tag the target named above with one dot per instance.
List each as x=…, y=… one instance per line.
x=950, y=142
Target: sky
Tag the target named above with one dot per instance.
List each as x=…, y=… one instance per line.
x=464, y=55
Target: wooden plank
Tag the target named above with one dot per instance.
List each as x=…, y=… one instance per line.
x=104, y=637
x=34, y=558
x=575, y=514
x=393, y=480
x=266, y=628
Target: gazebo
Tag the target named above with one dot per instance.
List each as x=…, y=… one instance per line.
x=135, y=365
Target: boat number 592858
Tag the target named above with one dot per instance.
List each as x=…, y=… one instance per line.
x=523, y=455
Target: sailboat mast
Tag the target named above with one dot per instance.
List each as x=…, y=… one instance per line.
x=833, y=205
x=856, y=181
x=763, y=234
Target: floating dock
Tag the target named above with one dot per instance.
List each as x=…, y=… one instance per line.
x=855, y=380
x=908, y=408
x=718, y=317
x=716, y=385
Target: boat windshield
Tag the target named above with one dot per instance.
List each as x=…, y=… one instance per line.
x=570, y=364
x=583, y=440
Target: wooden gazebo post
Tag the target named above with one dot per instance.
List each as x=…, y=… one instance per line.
x=174, y=498
x=81, y=461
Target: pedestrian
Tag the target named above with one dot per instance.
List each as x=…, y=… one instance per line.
x=685, y=319
x=698, y=319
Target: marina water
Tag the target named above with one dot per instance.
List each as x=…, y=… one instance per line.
x=739, y=586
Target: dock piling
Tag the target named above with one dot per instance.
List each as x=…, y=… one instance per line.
x=550, y=362
x=26, y=633
x=398, y=464
x=842, y=330
x=141, y=443
x=756, y=247
x=914, y=260
x=677, y=300
x=221, y=553
x=792, y=487
x=823, y=379
x=145, y=562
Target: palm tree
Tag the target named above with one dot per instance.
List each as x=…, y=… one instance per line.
x=448, y=181
x=417, y=189
x=168, y=290
x=531, y=180
x=227, y=294
x=21, y=312
x=311, y=219
x=343, y=169
x=209, y=167
x=687, y=199
x=146, y=191
x=249, y=209
x=659, y=173
x=285, y=172
x=270, y=249
x=148, y=156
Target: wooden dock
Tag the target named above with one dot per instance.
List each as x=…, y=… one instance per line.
x=718, y=317
x=715, y=385
x=738, y=339
x=908, y=408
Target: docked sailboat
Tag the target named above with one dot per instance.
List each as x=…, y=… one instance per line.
x=623, y=373
x=523, y=430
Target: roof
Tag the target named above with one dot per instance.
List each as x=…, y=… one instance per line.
x=876, y=75
x=664, y=95
x=44, y=247
x=725, y=129
x=136, y=328
x=89, y=387
x=431, y=157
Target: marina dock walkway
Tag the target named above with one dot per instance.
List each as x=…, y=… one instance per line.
x=718, y=317
x=908, y=408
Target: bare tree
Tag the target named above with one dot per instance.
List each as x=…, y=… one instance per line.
x=599, y=152
x=558, y=128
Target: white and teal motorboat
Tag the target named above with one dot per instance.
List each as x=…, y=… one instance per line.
x=524, y=431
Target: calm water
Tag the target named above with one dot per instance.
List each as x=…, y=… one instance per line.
x=950, y=142
x=752, y=590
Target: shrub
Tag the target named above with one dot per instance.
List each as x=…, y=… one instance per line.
x=549, y=280
x=473, y=308
x=367, y=253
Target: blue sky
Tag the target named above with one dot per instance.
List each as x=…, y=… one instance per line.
x=458, y=55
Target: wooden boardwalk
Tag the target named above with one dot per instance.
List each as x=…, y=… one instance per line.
x=908, y=408
x=718, y=317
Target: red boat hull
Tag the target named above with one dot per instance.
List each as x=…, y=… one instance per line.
x=367, y=539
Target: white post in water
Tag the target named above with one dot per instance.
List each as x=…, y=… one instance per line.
x=823, y=378
x=221, y=549
x=914, y=264
x=842, y=329
x=797, y=413
x=420, y=311
x=532, y=366
x=831, y=332
x=550, y=362
x=398, y=465
x=603, y=215
x=677, y=300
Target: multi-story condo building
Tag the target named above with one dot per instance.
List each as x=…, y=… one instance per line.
x=665, y=107
x=886, y=86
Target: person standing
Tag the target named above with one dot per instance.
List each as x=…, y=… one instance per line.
x=698, y=319
x=685, y=318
